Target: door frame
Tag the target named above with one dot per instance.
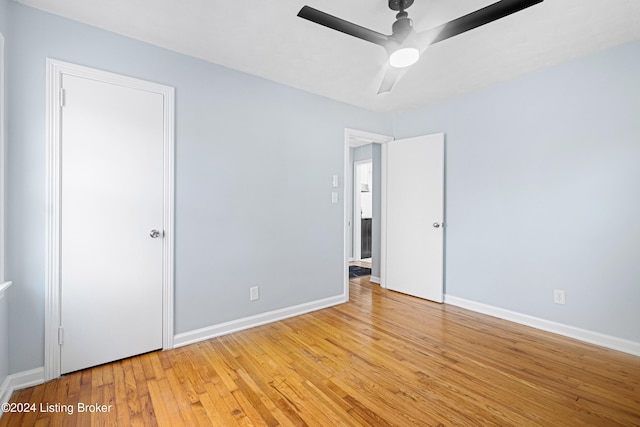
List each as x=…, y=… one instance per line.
x=353, y=138
x=55, y=69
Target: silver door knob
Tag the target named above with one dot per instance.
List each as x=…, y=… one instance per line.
x=155, y=234
x=436, y=225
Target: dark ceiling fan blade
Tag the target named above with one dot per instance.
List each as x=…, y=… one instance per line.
x=478, y=18
x=391, y=76
x=346, y=27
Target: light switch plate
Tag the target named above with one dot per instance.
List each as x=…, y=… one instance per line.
x=334, y=197
x=254, y=293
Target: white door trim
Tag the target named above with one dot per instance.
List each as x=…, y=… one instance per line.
x=55, y=70
x=353, y=138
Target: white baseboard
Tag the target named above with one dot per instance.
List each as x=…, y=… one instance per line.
x=591, y=337
x=374, y=279
x=202, y=334
x=19, y=381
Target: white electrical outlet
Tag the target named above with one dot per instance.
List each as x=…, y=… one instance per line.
x=558, y=296
x=254, y=293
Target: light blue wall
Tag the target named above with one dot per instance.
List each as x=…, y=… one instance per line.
x=4, y=16
x=4, y=310
x=254, y=163
x=543, y=191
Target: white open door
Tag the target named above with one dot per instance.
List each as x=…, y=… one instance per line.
x=413, y=200
x=111, y=196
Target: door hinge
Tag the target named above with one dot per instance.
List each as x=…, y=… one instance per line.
x=62, y=97
x=60, y=335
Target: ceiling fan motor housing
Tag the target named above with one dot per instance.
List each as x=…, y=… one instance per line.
x=402, y=27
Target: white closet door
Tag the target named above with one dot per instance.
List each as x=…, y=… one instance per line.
x=111, y=198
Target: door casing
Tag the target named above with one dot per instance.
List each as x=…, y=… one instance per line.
x=353, y=138
x=55, y=70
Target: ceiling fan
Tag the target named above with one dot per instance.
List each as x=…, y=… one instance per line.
x=404, y=45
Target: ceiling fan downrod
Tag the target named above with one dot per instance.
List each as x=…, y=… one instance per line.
x=403, y=26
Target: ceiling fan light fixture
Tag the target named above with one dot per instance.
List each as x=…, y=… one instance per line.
x=404, y=57
x=404, y=45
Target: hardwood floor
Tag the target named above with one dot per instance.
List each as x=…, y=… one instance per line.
x=383, y=359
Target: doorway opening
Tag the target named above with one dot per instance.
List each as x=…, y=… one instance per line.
x=362, y=210
x=407, y=218
x=363, y=151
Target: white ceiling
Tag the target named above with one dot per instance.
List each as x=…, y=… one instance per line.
x=266, y=38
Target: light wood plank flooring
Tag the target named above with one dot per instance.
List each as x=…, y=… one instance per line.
x=383, y=359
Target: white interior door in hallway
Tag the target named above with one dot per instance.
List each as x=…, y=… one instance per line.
x=413, y=216
x=112, y=215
